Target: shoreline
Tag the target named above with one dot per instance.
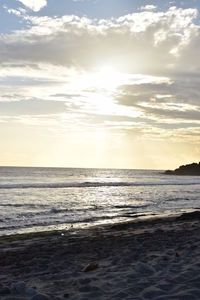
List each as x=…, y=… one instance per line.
x=78, y=227
x=148, y=259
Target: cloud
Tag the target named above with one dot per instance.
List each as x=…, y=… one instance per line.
x=146, y=42
x=19, y=12
x=14, y=12
x=34, y=5
x=168, y=102
x=31, y=107
x=178, y=90
x=158, y=50
x=149, y=7
x=83, y=43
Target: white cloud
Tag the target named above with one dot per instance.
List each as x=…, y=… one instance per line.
x=34, y=5
x=142, y=42
x=149, y=7
x=14, y=12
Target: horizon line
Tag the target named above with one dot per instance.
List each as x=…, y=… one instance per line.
x=100, y=168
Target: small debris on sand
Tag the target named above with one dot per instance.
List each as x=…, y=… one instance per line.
x=91, y=267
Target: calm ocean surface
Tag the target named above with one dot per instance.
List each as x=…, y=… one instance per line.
x=36, y=199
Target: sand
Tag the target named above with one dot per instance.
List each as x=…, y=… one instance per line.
x=154, y=259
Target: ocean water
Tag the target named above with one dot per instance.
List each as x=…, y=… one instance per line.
x=36, y=199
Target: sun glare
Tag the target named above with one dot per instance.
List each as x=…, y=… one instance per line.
x=107, y=77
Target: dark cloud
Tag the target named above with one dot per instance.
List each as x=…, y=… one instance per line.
x=179, y=99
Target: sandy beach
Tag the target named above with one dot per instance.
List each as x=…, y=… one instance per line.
x=152, y=259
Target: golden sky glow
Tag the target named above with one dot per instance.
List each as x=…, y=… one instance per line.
x=120, y=92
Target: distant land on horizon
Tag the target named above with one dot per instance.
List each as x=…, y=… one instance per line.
x=190, y=169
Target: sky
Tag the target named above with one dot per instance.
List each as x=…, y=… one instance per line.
x=99, y=83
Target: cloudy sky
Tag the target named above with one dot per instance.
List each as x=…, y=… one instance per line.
x=99, y=83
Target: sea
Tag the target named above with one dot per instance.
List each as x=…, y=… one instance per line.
x=40, y=199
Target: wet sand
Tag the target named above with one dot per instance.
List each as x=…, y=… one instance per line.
x=152, y=259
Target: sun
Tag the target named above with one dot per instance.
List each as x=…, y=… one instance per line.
x=107, y=77
x=107, y=70
x=102, y=79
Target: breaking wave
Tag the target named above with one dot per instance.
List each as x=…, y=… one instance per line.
x=94, y=184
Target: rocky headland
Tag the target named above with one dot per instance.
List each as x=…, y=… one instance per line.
x=190, y=169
